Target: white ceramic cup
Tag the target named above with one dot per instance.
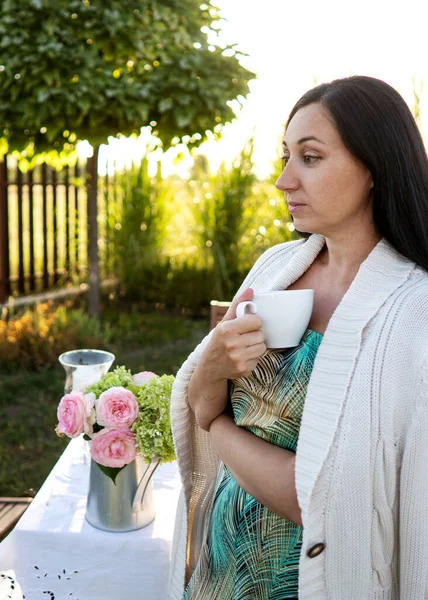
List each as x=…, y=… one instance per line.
x=285, y=315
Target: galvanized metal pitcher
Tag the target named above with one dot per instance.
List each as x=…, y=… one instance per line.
x=126, y=506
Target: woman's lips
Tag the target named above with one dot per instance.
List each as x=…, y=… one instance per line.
x=294, y=207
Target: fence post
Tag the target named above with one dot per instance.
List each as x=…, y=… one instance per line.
x=4, y=233
x=31, y=224
x=55, y=225
x=93, y=261
x=21, y=276
x=45, y=226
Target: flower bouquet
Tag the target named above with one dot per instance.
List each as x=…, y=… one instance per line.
x=122, y=416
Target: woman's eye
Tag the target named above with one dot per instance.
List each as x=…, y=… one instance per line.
x=308, y=159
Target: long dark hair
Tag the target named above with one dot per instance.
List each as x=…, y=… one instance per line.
x=377, y=127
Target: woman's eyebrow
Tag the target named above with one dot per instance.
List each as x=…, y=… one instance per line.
x=305, y=139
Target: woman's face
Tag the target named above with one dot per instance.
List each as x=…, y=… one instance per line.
x=326, y=188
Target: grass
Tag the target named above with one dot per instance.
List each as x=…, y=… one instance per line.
x=29, y=446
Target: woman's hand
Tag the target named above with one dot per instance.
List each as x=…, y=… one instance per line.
x=233, y=351
x=236, y=344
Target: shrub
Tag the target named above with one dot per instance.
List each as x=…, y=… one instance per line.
x=180, y=244
x=220, y=213
x=35, y=338
x=138, y=232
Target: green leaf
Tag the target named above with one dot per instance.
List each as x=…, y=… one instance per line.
x=183, y=119
x=70, y=61
x=42, y=95
x=165, y=104
x=111, y=472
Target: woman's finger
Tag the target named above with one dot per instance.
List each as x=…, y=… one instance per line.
x=252, y=338
x=244, y=297
x=254, y=352
x=243, y=325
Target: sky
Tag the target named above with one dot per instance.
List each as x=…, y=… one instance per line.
x=293, y=45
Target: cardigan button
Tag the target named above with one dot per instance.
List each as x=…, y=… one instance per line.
x=315, y=550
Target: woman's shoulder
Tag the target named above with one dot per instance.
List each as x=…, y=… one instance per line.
x=417, y=285
x=411, y=301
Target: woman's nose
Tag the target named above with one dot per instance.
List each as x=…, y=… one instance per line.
x=287, y=181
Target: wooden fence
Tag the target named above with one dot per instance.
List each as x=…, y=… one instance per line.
x=44, y=227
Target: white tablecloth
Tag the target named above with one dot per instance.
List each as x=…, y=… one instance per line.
x=53, y=548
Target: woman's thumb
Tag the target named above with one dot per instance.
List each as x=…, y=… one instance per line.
x=243, y=297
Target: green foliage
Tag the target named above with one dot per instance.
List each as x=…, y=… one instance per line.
x=28, y=446
x=188, y=287
x=153, y=426
x=277, y=165
x=120, y=377
x=88, y=69
x=200, y=237
x=220, y=210
x=137, y=230
x=417, y=93
x=270, y=223
x=36, y=337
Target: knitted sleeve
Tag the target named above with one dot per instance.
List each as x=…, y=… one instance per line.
x=414, y=501
x=196, y=458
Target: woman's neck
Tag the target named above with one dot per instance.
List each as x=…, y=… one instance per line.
x=344, y=254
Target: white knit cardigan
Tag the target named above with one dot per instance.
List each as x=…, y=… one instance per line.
x=362, y=454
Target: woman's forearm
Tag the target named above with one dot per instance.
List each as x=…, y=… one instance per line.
x=262, y=469
x=207, y=396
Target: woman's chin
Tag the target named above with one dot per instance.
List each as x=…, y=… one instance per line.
x=303, y=229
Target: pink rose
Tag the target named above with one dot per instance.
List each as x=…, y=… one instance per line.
x=76, y=414
x=113, y=447
x=116, y=407
x=143, y=377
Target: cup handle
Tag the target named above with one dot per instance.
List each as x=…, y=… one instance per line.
x=242, y=307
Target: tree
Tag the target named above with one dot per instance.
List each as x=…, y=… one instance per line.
x=87, y=69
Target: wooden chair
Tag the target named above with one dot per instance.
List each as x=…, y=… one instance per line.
x=11, y=510
x=217, y=312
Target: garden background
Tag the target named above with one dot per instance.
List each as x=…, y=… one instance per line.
x=173, y=232
x=164, y=244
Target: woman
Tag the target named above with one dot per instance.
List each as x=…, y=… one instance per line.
x=345, y=517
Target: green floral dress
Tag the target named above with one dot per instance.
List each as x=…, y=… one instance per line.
x=250, y=552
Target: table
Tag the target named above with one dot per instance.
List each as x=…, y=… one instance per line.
x=55, y=553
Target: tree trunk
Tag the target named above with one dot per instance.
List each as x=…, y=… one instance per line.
x=93, y=261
